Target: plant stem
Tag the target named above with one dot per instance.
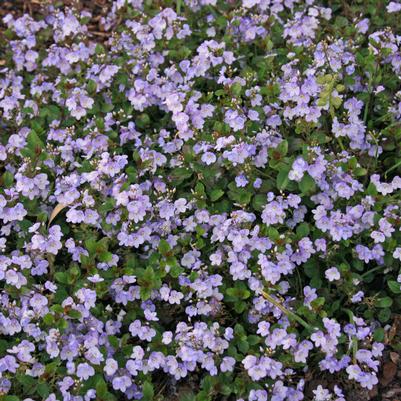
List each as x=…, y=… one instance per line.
x=392, y=168
x=372, y=270
x=264, y=174
x=178, y=7
x=340, y=141
x=50, y=259
x=287, y=312
x=370, y=87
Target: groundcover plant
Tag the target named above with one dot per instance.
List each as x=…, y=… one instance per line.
x=204, y=206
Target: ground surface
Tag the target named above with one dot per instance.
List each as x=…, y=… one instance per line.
x=389, y=388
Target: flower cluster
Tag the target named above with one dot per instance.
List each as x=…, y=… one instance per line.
x=206, y=200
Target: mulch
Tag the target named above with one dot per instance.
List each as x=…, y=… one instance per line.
x=37, y=8
x=389, y=387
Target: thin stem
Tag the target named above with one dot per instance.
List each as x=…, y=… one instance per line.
x=287, y=312
x=366, y=111
x=264, y=174
x=370, y=87
x=354, y=342
x=340, y=141
x=354, y=349
x=50, y=259
x=392, y=168
x=178, y=7
x=372, y=270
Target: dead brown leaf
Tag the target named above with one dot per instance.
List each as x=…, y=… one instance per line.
x=395, y=357
x=388, y=373
x=59, y=207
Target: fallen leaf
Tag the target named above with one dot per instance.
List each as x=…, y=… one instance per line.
x=391, y=393
x=59, y=207
x=373, y=393
x=394, y=357
x=394, y=330
x=388, y=373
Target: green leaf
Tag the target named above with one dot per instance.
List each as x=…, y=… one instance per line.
x=145, y=293
x=336, y=101
x=207, y=383
x=148, y=392
x=384, y=315
x=52, y=367
x=378, y=335
x=37, y=125
x=307, y=184
x=371, y=190
x=11, y=398
x=114, y=341
x=61, y=277
x=311, y=268
x=99, y=49
x=180, y=174
x=360, y=171
x=199, y=189
x=48, y=319
x=74, y=314
x=394, y=286
x=385, y=302
x=225, y=389
x=107, y=107
x=216, y=194
x=54, y=112
x=203, y=396
x=243, y=346
x=105, y=257
x=176, y=270
x=282, y=179
x=91, y=86
x=101, y=387
x=318, y=302
x=35, y=144
x=108, y=205
x=143, y=120
x=240, y=196
x=164, y=247
x=43, y=390
x=282, y=148
x=90, y=245
x=236, y=89
x=253, y=339
x=29, y=384
x=57, y=308
x=239, y=307
x=273, y=233
x=258, y=202
x=303, y=230
x=8, y=179
x=240, y=291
